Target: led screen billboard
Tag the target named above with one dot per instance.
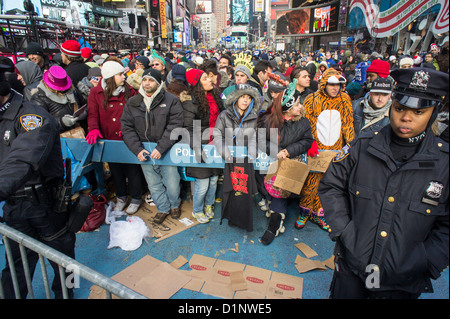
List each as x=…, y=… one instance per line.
x=240, y=11
x=308, y=20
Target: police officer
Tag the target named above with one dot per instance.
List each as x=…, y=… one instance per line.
x=31, y=170
x=386, y=198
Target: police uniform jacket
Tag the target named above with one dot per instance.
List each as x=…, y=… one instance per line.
x=390, y=216
x=155, y=124
x=30, y=150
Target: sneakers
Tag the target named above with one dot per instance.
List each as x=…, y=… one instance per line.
x=275, y=228
x=302, y=218
x=264, y=205
x=132, y=208
x=319, y=220
x=209, y=211
x=200, y=217
x=120, y=205
x=149, y=200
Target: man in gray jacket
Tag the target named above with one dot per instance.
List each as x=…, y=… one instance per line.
x=150, y=116
x=371, y=112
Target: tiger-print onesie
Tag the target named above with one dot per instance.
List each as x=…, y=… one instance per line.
x=331, y=122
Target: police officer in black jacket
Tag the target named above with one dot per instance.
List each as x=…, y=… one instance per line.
x=31, y=170
x=386, y=198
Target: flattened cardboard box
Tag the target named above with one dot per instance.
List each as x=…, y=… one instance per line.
x=148, y=276
x=282, y=286
x=169, y=226
x=215, y=275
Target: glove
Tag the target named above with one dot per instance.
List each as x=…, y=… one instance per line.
x=69, y=120
x=92, y=136
x=314, y=150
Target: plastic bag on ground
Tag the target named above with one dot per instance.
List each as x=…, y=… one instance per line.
x=111, y=214
x=128, y=234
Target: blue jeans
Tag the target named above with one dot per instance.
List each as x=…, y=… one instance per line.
x=164, y=185
x=204, y=192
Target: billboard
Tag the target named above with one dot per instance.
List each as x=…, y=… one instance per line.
x=258, y=6
x=186, y=33
x=293, y=22
x=325, y=19
x=240, y=11
x=308, y=20
x=203, y=7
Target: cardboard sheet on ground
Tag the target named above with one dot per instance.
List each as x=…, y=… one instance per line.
x=229, y=280
x=169, y=226
x=148, y=276
x=305, y=264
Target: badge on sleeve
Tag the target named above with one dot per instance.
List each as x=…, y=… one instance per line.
x=30, y=121
x=342, y=153
x=433, y=193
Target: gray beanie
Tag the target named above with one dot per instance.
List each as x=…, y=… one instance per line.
x=243, y=69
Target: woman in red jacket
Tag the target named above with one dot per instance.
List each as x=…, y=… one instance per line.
x=105, y=107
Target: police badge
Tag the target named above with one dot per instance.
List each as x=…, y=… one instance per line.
x=342, y=153
x=433, y=193
x=30, y=121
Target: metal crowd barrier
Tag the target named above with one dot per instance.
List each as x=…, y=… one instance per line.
x=63, y=261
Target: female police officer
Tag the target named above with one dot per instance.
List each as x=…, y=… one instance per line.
x=386, y=198
x=31, y=167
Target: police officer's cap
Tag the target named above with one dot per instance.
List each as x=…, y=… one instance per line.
x=419, y=87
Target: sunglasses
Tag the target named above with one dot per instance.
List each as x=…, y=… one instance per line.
x=156, y=64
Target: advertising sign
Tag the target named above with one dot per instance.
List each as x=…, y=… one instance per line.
x=163, y=18
x=293, y=22
x=240, y=11
x=203, y=7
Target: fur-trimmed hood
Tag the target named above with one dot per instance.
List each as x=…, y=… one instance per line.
x=239, y=91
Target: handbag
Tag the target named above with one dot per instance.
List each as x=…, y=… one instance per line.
x=97, y=214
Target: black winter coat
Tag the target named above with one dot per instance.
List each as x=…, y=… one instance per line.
x=295, y=137
x=192, y=112
x=55, y=105
x=154, y=125
x=393, y=217
x=77, y=71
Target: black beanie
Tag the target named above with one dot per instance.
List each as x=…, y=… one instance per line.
x=34, y=48
x=154, y=74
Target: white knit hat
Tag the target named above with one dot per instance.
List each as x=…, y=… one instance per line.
x=407, y=60
x=111, y=68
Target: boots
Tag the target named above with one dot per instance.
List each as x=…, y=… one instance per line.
x=275, y=227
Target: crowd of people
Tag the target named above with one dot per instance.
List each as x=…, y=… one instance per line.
x=315, y=101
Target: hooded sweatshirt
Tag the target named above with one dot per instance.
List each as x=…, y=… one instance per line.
x=31, y=74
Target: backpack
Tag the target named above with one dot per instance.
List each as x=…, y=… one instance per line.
x=361, y=72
